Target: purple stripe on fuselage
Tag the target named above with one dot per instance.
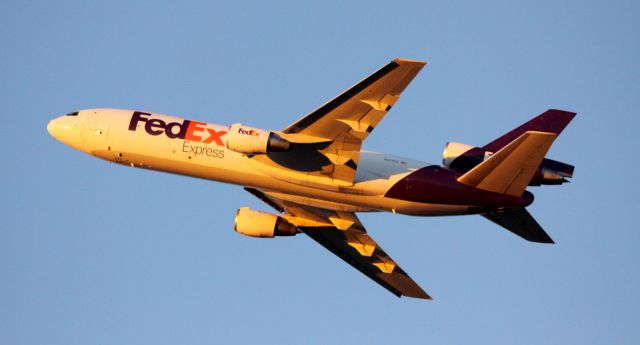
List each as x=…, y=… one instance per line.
x=437, y=185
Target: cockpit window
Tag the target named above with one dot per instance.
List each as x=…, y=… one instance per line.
x=75, y=113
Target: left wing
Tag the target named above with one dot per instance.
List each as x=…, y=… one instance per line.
x=344, y=235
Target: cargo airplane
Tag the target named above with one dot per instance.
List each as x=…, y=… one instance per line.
x=316, y=176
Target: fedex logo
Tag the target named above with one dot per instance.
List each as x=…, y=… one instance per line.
x=248, y=132
x=187, y=130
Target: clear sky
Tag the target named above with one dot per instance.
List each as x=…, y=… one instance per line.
x=96, y=253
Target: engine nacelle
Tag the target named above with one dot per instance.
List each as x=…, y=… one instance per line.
x=452, y=151
x=251, y=140
x=552, y=172
x=261, y=224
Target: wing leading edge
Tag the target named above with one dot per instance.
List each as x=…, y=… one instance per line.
x=360, y=108
x=343, y=234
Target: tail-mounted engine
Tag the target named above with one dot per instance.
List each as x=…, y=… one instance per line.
x=453, y=151
x=251, y=140
x=463, y=157
x=261, y=224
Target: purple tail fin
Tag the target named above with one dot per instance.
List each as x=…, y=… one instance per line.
x=551, y=121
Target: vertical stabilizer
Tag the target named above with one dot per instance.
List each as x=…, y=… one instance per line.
x=551, y=121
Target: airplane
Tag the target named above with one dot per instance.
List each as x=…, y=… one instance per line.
x=316, y=176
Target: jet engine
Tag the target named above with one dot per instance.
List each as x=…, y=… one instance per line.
x=261, y=224
x=452, y=151
x=251, y=140
x=463, y=157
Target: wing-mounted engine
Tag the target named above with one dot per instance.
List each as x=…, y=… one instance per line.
x=463, y=157
x=251, y=140
x=261, y=224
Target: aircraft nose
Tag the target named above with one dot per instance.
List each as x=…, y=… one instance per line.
x=64, y=129
x=55, y=129
x=51, y=128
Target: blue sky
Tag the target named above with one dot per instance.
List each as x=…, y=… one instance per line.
x=95, y=253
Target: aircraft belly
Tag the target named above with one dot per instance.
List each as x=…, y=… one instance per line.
x=426, y=209
x=235, y=171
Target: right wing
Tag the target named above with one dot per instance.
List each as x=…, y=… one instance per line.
x=343, y=234
x=339, y=127
x=359, y=109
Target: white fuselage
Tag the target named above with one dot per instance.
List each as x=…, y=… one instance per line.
x=202, y=153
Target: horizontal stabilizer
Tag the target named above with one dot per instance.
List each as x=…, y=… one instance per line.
x=520, y=222
x=510, y=170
